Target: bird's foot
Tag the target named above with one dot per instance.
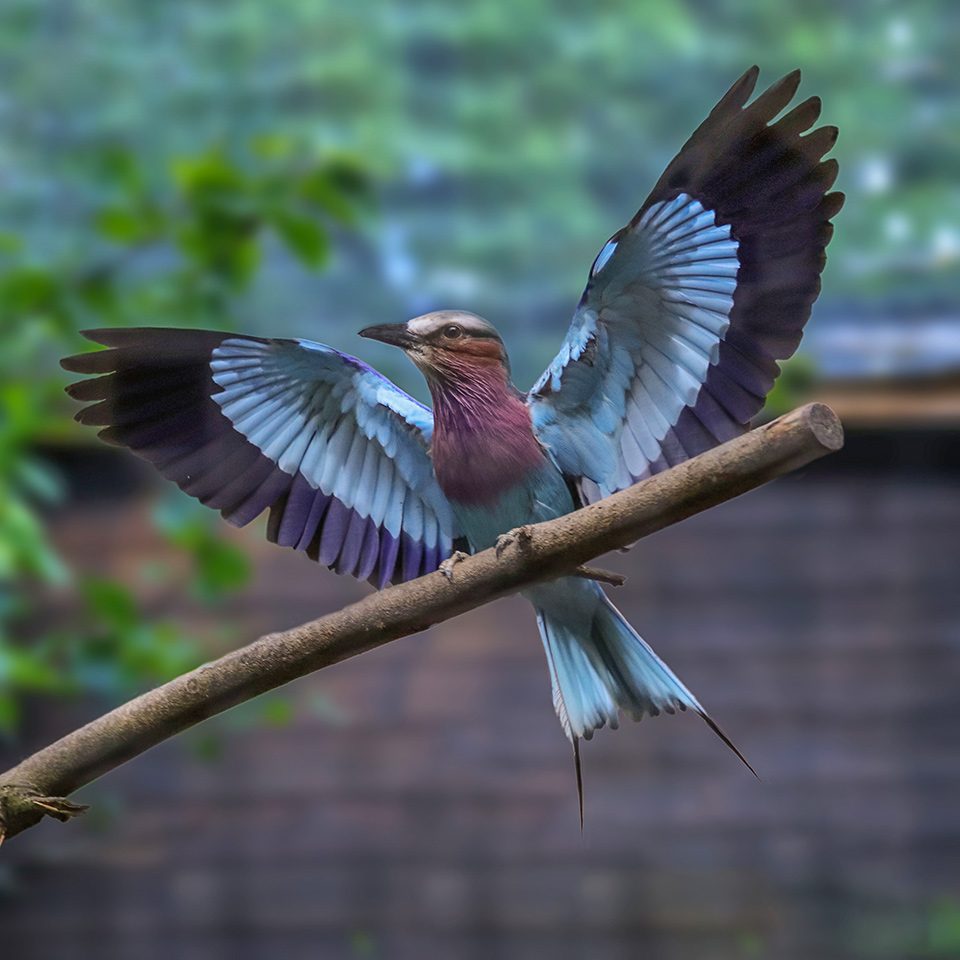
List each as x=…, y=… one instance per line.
x=446, y=568
x=520, y=536
x=503, y=541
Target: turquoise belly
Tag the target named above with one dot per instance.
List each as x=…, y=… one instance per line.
x=542, y=495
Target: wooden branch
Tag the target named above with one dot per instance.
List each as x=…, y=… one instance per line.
x=37, y=786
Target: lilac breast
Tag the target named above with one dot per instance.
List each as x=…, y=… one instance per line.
x=478, y=458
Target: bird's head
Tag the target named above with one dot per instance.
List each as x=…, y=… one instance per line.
x=447, y=345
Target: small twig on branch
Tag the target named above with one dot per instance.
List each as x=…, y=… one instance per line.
x=37, y=786
x=600, y=575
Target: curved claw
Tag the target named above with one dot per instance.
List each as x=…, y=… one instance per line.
x=521, y=536
x=446, y=568
x=503, y=541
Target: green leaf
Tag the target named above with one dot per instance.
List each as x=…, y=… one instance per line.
x=24, y=549
x=10, y=243
x=120, y=224
x=9, y=713
x=277, y=712
x=336, y=189
x=221, y=568
x=273, y=146
x=112, y=602
x=120, y=167
x=206, y=175
x=28, y=289
x=943, y=930
x=304, y=237
x=224, y=247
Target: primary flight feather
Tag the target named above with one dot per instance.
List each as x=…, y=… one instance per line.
x=672, y=349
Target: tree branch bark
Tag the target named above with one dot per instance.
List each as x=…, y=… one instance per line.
x=37, y=786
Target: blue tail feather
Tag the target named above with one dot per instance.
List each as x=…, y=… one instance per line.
x=599, y=665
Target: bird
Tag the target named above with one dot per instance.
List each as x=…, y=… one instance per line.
x=672, y=349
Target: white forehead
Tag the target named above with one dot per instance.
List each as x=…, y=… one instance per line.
x=432, y=322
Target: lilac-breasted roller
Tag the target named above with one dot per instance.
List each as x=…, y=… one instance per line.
x=673, y=348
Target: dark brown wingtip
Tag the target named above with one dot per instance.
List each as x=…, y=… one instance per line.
x=95, y=415
x=829, y=171
x=787, y=86
x=739, y=92
x=97, y=361
x=70, y=364
x=792, y=79
x=95, y=388
x=800, y=118
x=833, y=203
x=745, y=86
x=110, y=435
x=712, y=724
x=769, y=103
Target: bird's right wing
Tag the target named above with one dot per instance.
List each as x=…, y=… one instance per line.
x=335, y=451
x=688, y=308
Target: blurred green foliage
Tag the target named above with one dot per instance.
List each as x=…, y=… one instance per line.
x=931, y=930
x=943, y=929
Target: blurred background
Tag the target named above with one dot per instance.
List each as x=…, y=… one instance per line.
x=307, y=168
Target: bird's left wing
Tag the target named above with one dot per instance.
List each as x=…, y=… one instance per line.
x=337, y=453
x=675, y=343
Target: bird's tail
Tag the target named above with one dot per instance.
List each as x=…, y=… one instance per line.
x=599, y=665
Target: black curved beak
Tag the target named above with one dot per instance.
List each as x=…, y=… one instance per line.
x=396, y=334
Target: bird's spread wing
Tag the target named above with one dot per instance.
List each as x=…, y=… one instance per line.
x=334, y=450
x=673, y=347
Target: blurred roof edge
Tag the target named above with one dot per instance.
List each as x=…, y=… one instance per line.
x=911, y=400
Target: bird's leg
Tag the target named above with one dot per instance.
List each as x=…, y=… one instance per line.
x=446, y=568
x=520, y=536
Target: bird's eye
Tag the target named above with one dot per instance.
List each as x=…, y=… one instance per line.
x=452, y=331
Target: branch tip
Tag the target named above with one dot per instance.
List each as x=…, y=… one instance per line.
x=600, y=575
x=825, y=426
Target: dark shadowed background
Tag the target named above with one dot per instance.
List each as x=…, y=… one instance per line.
x=307, y=168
